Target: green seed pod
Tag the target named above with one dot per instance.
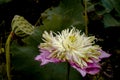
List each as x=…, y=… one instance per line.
x=21, y=27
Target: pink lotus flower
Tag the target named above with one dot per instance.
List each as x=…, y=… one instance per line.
x=73, y=47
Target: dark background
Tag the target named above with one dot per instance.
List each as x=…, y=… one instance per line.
x=32, y=9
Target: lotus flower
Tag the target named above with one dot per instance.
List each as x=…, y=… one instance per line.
x=73, y=46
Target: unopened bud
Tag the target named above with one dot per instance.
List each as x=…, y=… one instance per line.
x=21, y=27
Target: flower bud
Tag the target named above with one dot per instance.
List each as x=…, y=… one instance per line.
x=21, y=27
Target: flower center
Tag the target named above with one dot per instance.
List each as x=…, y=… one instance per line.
x=72, y=38
x=69, y=43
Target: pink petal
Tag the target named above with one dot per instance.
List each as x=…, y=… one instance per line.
x=44, y=62
x=104, y=54
x=96, y=65
x=37, y=57
x=92, y=68
x=43, y=57
x=83, y=72
x=92, y=71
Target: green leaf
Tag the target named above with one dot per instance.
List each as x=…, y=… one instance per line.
x=116, y=4
x=110, y=21
x=108, y=5
x=66, y=14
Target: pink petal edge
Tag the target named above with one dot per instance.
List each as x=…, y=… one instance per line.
x=92, y=68
x=43, y=57
x=104, y=54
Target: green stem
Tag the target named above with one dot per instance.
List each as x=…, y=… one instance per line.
x=7, y=49
x=86, y=18
x=38, y=21
x=68, y=71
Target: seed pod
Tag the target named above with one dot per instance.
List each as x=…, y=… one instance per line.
x=21, y=27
